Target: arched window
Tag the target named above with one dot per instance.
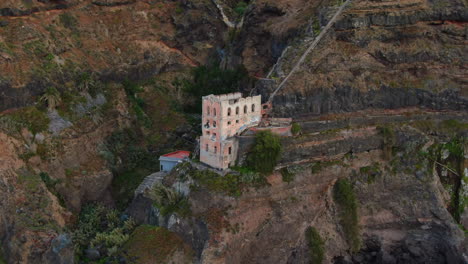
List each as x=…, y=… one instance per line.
x=237, y=110
x=206, y=146
x=215, y=149
x=230, y=151
x=214, y=123
x=253, y=108
x=229, y=111
x=214, y=111
x=208, y=110
x=245, y=109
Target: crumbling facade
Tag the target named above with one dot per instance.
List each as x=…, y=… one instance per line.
x=224, y=117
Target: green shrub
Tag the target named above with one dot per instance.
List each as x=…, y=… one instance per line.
x=344, y=196
x=30, y=117
x=49, y=182
x=296, y=128
x=265, y=153
x=240, y=8
x=124, y=145
x=371, y=172
x=286, y=175
x=100, y=228
x=169, y=201
x=51, y=97
x=68, y=20
x=315, y=244
x=132, y=89
x=316, y=27
x=249, y=177
x=36, y=47
x=228, y=184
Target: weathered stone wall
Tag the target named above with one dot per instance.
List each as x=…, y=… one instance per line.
x=245, y=143
x=239, y=115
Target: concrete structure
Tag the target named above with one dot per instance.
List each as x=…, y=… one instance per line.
x=170, y=160
x=224, y=117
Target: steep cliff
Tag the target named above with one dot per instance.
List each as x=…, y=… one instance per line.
x=401, y=213
x=378, y=54
x=61, y=100
x=51, y=43
x=91, y=92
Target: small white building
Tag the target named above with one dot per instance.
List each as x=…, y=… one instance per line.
x=168, y=161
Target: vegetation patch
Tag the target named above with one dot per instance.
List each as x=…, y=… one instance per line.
x=36, y=48
x=33, y=215
x=344, y=196
x=51, y=97
x=151, y=244
x=315, y=244
x=50, y=184
x=296, y=128
x=316, y=27
x=265, y=152
x=287, y=175
x=101, y=229
x=31, y=117
x=229, y=184
x=371, y=172
x=318, y=166
x=169, y=201
x=130, y=162
x=68, y=21
x=389, y=140
x=6, y=48
x=454, y=165
x=240, y=8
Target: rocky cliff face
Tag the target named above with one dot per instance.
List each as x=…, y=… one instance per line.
x=47, y=43
x=411, y=192
x=379, y=54
x=402, y=204
x=52, y=161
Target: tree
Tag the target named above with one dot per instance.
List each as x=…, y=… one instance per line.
x=315, y=243
x=51, y=97
x=265, y=153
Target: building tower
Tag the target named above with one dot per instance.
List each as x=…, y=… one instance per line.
x=223, y=117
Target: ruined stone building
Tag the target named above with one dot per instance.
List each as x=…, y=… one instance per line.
x=224, y=117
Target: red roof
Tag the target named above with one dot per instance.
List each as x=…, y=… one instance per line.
x=180, y=154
